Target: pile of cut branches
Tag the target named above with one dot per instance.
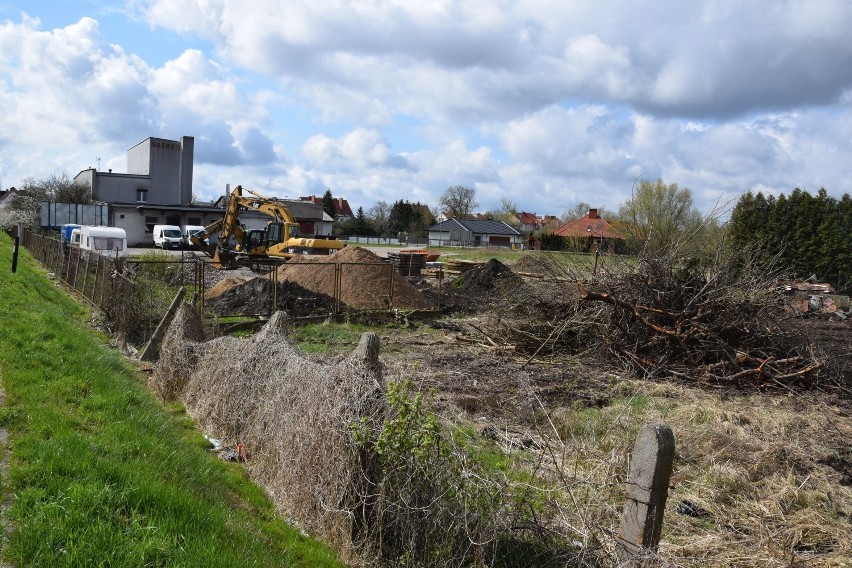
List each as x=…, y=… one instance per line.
x=720, y=321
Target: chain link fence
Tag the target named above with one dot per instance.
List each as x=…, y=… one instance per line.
x=310, y=288
x=132, y=294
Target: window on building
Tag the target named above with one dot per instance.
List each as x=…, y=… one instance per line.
x=193, y=221
x=142, y=195
x=175, y=220
x=149, y=223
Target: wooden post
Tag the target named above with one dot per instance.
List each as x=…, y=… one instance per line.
x=151, y=346
x=647, y=491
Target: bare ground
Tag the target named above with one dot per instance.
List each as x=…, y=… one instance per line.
x=762, y=477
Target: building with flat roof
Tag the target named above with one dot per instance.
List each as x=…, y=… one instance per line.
x=159, y=172
x=157, y=190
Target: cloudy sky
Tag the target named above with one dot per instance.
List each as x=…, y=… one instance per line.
x=545, y=102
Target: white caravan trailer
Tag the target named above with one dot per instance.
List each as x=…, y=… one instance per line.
x=103, y=240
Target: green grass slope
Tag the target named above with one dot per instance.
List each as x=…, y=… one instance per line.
x=101, y=474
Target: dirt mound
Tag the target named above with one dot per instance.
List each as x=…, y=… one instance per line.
x=484, y=287
x=366, y=280
x=255, y=297
x=487, y=276
x=223, y=286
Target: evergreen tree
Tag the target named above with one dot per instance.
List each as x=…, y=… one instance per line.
x=360, y=226
x=410, y=218
x=328, y=204
x=808, y=234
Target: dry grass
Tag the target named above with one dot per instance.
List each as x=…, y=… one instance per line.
x=759, y=466
x=760, y=478
x=762, y=472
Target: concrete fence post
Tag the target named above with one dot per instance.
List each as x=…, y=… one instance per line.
x=150, y=349
x=647, y=491
x=367, y=353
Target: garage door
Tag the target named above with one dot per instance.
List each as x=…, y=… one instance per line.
x=496, y=241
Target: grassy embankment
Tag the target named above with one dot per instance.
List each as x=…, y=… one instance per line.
x=100, y=471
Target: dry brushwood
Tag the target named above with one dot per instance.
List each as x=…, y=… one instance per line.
x=292, y=415
x=360, y=463
x=670, y=316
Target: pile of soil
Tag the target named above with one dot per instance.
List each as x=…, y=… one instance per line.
x=487, y=276
x=367, y=281
x=223, y=286
x=483, y=287
x=255, y=297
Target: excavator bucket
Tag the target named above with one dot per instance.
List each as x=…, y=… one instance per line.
x=224, y=260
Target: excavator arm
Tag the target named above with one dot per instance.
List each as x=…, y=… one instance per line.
x=283, y=242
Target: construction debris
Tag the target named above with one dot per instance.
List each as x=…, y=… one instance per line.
x=456, y=266
x=254, y=297
x=812, y=298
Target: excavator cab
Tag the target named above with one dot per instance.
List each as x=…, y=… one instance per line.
x=281, y=232
x=255, y=242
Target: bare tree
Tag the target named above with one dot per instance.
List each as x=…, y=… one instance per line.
x=582, y=209
x=507, y=212
x=660, y=215
x=459, y=200
x=63, y=189
x=26, y=208
x=378, y=215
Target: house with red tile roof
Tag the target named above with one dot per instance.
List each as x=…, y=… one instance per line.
x=528, y=222
x=341, y=206
x=592, y=226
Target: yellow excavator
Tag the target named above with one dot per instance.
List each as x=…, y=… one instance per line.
x=280, y=239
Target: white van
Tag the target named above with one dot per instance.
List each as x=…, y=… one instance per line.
x=103, y=240
x=167, y=236
x=188, y=231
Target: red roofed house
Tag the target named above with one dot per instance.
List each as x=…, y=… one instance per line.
x=341, y=206
x=550, y=223
x=591, y=226
x=528, y=222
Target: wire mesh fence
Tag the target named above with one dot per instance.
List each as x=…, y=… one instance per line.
x=312, y=287
x=132, y=294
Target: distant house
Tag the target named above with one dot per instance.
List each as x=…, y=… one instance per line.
x=311, y=217
x=550, y=223
x=474, y=232
x=601, y=233
x=528, y=223
x=7, y=197
x=341, y=206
